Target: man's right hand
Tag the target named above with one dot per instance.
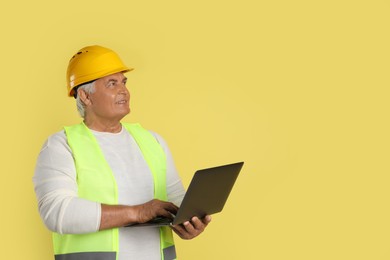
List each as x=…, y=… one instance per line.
x=121, y=215
x=155, y=208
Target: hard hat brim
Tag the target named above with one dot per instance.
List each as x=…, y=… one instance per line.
x=96, y=76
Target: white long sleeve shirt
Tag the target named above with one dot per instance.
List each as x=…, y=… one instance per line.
x=64, y=212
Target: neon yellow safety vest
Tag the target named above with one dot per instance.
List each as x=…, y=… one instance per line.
x=96, y=182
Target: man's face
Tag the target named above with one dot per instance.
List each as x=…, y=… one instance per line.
x=110, y=101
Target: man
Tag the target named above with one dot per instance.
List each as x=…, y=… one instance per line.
x=94, y=178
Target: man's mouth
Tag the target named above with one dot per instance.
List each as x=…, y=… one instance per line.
x=121, y=102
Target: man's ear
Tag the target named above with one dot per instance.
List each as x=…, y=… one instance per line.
x=84, y=97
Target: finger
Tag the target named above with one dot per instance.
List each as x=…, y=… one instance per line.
x=189, y=227
x=198, y=224
x=206, y=220
x=172, y=208
x=166, y=206
x=180, y=231
x=165, y=213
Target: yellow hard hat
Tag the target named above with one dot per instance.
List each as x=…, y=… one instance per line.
x=91, y=63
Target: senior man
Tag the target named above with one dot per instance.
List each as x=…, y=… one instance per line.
x=94, y=178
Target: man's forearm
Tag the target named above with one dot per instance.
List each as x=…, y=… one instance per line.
x=113, y=216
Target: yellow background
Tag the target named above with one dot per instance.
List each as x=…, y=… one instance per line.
x=299, y=90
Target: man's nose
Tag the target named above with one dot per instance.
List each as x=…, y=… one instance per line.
x=123, y=89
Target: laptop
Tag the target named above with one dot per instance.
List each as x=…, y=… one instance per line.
x=206, y=195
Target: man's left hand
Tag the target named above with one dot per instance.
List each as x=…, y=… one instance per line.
x=192, y=228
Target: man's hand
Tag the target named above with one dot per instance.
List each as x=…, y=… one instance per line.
x=121, y=215
x=155, y=208
x=192, y=228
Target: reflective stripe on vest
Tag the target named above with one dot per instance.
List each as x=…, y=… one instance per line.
x=87, y=256
x=96, y=182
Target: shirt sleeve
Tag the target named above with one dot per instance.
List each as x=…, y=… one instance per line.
x=55, y=185
x=175, y=189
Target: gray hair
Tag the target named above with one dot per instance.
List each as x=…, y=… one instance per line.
x=89, y=88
